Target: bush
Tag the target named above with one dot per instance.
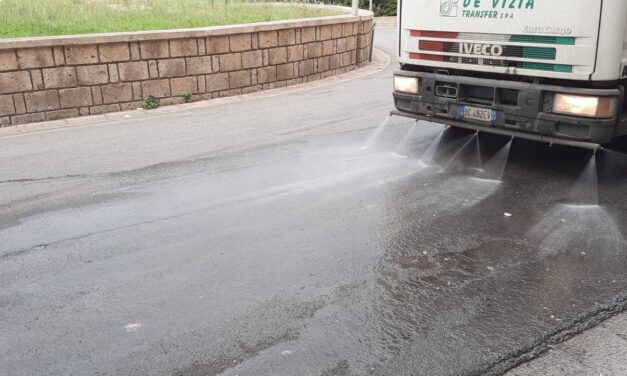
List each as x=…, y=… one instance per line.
x=380, y=7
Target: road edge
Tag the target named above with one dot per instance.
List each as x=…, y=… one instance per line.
x=612, y=307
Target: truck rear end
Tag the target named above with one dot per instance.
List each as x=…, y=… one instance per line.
x=550, y=70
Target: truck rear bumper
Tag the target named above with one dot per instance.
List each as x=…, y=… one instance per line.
x=520, y=109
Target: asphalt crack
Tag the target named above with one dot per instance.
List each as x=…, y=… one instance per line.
x=579, y=324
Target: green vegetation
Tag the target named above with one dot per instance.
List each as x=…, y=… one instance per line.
x=150, y=103
x=379, y=7
x=29, y=18
x=187, y=97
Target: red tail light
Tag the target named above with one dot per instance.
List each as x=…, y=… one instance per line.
x=426, y=57
x=434, y=34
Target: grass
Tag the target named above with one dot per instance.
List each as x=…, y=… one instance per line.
x=32, y=18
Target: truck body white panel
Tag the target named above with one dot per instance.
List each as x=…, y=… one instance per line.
x=565, y=39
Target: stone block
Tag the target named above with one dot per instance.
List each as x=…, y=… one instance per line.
x=268, y=39
x=131, y=105
x=6, y=105
x=347, y=29
x=42, y=100
x=323, y=63
x=20, y=104
x=313, y=50
x=341, y=45
x=170, y=101
x=154, y=49
x=183, y=47
x=158, y=88
x=135, y=51
x=152, y=69
x=202, y=46
x=215, y=63
x=285, y=71
x=96, y=94
x=306, y=68
x=62, y=114
x=239, y=79
x=116, y=93
x=59, y=77
x=198, y=65
x=326, y=32
x=217, y=45
x=240, y=42
x=35, y=57
x=114, y=76
x=13, y=82
x=5, y=121
x=76, y=55
x=252, y=89
x=351, y=43
x=133, y=71
x=336, y=31
x=92, y=74
x=8, y=60
x=287, y=37
x=328, y=47
x=230, y=62
x=295, y=53
x=229, y=93
x=253, y=76
x=345, y=59
x=97, y=110
x=277, y=55
x=217, y=82
x=308, y=34
x=313, y=77
x=114, y=52
x=334, y=61
x=252, y=59
x=171, y=67
x=83, y=111
x=266, y=75
x=294, y=81
x=59, y=55
x=37, y=79
x=28, y=118
x=202, y=84
x=137, y=91
x=184, y=85
x=75, y=97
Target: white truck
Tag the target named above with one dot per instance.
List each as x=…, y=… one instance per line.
x=546, y=70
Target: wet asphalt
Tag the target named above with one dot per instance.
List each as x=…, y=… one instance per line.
x=414, y=249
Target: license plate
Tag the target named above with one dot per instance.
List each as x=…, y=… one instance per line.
x=478, y=113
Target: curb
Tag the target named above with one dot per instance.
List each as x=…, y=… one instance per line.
x=381, y=60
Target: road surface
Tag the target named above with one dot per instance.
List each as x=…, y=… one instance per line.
x=291, y=235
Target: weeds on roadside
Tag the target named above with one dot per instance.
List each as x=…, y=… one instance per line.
x=150, y=103
x=187, y=97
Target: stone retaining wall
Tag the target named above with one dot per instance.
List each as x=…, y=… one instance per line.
x=59, y=77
